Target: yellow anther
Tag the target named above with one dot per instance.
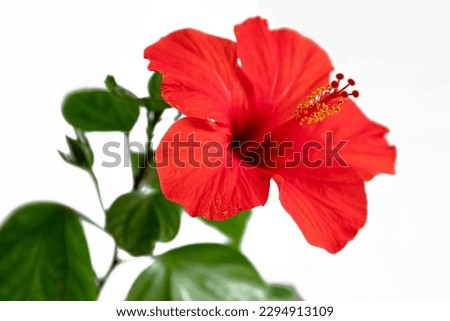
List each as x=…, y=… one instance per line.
x=323, y=102
x=318, y=106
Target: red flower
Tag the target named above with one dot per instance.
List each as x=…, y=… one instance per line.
x=251, y=108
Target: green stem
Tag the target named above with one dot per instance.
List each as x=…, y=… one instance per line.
x=152, y=119
x=102, y=281
x=88, y=220
x=127, y=141
x=116, y=261
x=97, y=189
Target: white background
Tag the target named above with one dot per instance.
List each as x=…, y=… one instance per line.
x=398, y=52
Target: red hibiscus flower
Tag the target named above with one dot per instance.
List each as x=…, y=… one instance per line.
x=251, y=108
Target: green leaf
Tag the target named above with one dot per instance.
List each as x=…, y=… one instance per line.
x=116, y=89
x=137, y=220
x=283, y=292
x=80, y=152
x=169, y=217
x=157, y=103
x=234, y=227
x=199, y=272
x=99, y=110
x=152, y=284
x=44, y=255
x=153, y=179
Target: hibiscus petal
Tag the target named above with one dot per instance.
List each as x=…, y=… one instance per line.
x=199, y=73
x=283, y=66
x=328, y=204
x=348, y=137
x=206, y=178
x=367, y=149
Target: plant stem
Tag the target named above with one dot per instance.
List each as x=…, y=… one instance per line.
x=102, y=281
x=94, y=179
x=116, y=261
x=127, y=141
x=152, y=119
x=88, y=220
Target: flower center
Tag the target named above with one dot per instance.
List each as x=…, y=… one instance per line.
x=324, y=101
